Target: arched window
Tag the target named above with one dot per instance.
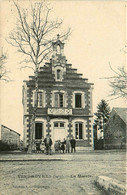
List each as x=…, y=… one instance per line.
x=58, y=49
x=58, y=74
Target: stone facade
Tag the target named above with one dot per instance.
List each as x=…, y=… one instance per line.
x=115, y=130
x=10, y=137
x=64, y=102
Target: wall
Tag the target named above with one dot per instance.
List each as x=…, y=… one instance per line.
x=9, y=136
x=115, y=132
x=72, y=82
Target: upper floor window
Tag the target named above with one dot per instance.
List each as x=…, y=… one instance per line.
x=40, y=98
x=78, y=100
x=59, y=97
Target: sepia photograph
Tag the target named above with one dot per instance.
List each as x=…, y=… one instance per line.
x=63, y=97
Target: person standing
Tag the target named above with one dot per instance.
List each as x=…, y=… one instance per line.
x=73, y=143
x=68, y=145
x=62, y=145
x=48, y=143
x=42, y=145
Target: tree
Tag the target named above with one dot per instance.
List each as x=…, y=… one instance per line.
x=35, y=31
x=3, y=70
x=102, y=116
x=118, y=83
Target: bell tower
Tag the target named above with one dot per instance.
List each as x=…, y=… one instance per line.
x=58, y=59
x=58, y=47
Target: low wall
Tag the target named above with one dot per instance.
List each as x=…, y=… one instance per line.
x=114, y=144
x=111, y=186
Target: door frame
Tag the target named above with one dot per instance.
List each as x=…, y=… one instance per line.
x=43, y=121
x=52, y=127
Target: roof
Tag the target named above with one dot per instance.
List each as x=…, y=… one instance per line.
x=122, y=112
x=10, y=129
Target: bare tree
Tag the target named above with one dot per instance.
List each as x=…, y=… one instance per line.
x=118, y=83
x=33, y=37
x=3, y=70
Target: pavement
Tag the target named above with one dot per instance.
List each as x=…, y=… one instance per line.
x=18, y=155
x=75, y=173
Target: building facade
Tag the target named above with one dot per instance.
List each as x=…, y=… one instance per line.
x=10, y=137
x=115, y=129
x=64, y=102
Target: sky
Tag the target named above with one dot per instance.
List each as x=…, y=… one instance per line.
x=98, y=36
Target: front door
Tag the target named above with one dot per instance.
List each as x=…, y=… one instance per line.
x=38, y=130
x=59, y=131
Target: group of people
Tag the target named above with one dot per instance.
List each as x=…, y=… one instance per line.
x=67, y=145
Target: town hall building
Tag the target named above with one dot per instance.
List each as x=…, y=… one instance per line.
x=64, y=103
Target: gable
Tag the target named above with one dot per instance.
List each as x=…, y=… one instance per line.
x=122, y=113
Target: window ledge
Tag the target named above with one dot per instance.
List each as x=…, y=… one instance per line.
x=40, y=107
x=78, y=108
x=59, y=80
x=79, y=139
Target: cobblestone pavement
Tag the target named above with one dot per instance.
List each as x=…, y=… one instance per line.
x=60, y=177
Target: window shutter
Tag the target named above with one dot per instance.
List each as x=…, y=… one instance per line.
x=80, y=130
x=60, y=100
x=65, y=99
x=33, y=98
x=56, y=100
x=38, y=103
x=23, y=95
x=42, y=99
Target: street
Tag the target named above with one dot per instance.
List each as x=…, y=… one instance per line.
x=59, y=173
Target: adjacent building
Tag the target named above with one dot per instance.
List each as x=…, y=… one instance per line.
x=115, y=129
x=64, y=102
x=10, y=137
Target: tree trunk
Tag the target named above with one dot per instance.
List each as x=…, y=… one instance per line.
x=32, y=125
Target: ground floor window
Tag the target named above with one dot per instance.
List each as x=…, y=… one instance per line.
x=38, y=130
x=78, y=130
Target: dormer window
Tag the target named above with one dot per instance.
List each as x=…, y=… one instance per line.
x=58, y=49
x=59, y=74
